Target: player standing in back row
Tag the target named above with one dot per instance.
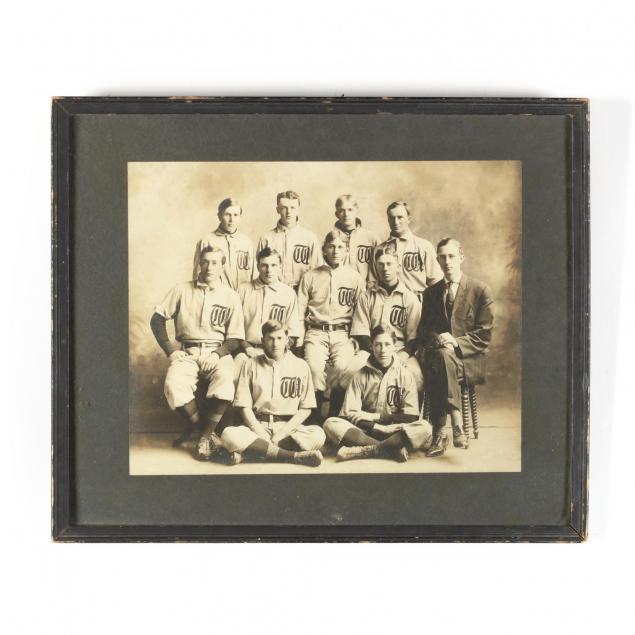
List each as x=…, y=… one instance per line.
x=298, y=247
x=359, y=240
x=237, y=247
x=417, y=257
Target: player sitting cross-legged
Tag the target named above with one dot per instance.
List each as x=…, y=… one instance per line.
x=380, y=414
x=275, y=396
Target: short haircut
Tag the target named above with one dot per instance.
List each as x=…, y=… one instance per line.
x=389, y=248
x=212, y=249
x=398, y=204
x=265, y=252
x=273, y=325
x=331, y=237
x=383, y=329
x=446, y=241
x=229, y=202
x=345, y=198
x=288, y=194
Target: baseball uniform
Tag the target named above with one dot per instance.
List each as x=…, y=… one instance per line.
x=204, y=318
x=390, y=392
x=418, y=260
x=401, y=310
x=326, y=298
x=298, y=247
x=239, y=256
x=275, y=391
x=360, y=243
x=262, y=302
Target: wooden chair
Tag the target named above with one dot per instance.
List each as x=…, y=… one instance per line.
x=468, y=407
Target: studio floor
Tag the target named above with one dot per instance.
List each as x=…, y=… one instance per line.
x=498, y=449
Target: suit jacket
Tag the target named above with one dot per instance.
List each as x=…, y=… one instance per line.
x=471, y=323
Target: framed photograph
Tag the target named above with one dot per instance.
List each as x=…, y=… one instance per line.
x=346, y=319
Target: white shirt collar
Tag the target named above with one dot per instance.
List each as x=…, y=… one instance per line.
x=458, y=279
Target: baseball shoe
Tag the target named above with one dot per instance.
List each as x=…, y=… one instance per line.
x=400, y=455
x=459, y=439
x=311, y=458
x=235, y=458
x=439, y=445
x=207, y=446
x=346, y=453
x=183, y=437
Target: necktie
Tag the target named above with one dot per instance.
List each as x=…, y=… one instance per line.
x=449, y=299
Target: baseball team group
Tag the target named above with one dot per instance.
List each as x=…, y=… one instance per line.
x=297, y=343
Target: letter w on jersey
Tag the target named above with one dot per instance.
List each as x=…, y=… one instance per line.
x=346, y=296
x=277, y=312
x=394, y=396
x=242, y=260
x=301, y=254
x=290, y=387
x=412, y=261
x=218, y=315
x=363, y=253
x=398, y=316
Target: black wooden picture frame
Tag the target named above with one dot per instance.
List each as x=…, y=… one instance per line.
x=74, y=484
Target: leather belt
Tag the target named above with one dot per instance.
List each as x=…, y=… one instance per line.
x=272, y=418
x=200, y=344
x=329, y=327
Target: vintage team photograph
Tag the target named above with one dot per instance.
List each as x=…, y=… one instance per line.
x=324, y=317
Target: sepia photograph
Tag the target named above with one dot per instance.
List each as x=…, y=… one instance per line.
x=319, y=317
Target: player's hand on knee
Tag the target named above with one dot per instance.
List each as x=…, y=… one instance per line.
x=174, y=355
x=356, y=417
x=208, y=362
x=447, y=340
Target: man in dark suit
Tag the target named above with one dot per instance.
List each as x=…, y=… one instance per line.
x=453, y=336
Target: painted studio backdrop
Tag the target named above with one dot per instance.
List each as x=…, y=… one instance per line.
x=172, y=205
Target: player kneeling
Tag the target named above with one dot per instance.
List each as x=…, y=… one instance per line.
x=275, y=397
x=380, y=414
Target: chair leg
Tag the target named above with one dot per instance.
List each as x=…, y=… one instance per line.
x=474, y=411
x=465, y=410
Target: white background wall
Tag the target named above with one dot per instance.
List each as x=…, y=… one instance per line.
x=326, y=48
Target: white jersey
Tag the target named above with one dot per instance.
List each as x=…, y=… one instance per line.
x=401, y=310
x=418, y=260
x=328, y=296
x=262, y=302
x=361, y=244
x=239, y=256
x=203, y=314
x=298, y=247
x=275, y=387
x=386, y=392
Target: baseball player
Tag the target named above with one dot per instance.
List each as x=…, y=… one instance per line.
x=360, y=241
x=417, y=257
x=298, y=247
x=388, y=301
x=209, y=328
x=380, y=414
x=326, y=298
x=237, y=247
x=275, y=397
x=266, y=298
